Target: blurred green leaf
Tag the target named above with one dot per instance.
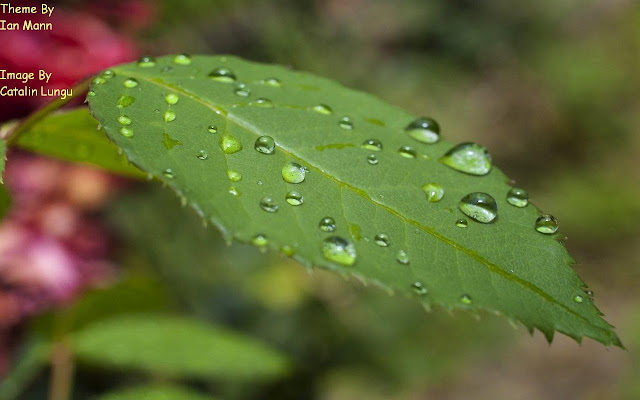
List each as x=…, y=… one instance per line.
x=173, y=346
x=74, y=136
x=5, y=200
x=164, y=392
x=506, y=267
x=29, y=361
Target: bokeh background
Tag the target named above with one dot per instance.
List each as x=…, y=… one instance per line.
x=550, y=87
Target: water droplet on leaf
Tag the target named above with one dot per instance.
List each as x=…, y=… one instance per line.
x=402, y=257
x=171, y=98
x=462, y=223
x=424, y=130
x=265, y=145
x=327, y=224
x=130, y=83
x=294, y=198
x=212, y=129
x=322, y=109
x=372, y=144
x=275, y=82
x=169, y=116
x=578, y=298
x=146, y=62
x=479, y=206
x=418, y=288
x=339, y=250
x=202, y=155
x=234, y=176
x=124, y=120
x=345, y=123
x=126, y=132
x=268, y=204
x=518, y=197
x=372, y=159
x=242, y=90
x=182, y=59
x=259, y=240
x=230, y=144
x=293, y=172
x=223, y=75
x=125, y=101
x=407, y=152
x=466, y=299
x=168, y=173
x=470, y=158
x=434, y=192
x=546, y=224
x=381, y=240
x=262, y=102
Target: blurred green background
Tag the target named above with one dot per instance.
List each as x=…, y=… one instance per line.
x=550, y=87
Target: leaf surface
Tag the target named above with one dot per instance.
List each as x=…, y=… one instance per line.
x=176, y=347
x=505, y=266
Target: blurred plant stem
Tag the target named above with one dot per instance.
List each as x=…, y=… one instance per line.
x=61, y=372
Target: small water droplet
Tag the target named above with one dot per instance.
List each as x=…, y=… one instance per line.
x=124, y=120
x=125, y=101
x=466, y=299
x=578, y=298
x=434, y=192
x=234, y=191
x=589, y=293
x=169, y=116
x=222, y=75
x=470, y=158
x=168, y=173
x=268, y=204
x=294, y=198
x=402, y=257
x=108, y=74
x=202, y=155
x=372, y=144
x=259, y=240
x=372, y=159
x=479, y=206
x=146, y=62
x=339, y=250
x=171, y=98
x=99, y=80
x=126, y=132
x=462, y=223
x=546, y=224
x=424, y=130
x=230, y=144
x=518, y=197
x=234, y=176
x=345, y=123
x=242, y=90
x=212, y=129
x=407, y=152
x=275, y=82
x=418, y=288
x=262, y=102
x=327, y=224
x=130, y=83
x=293, y=172
x=287, y=250
x=322, y=109
x=381, y=240
x=182, y=59
x=265, y=145
x=91, y=93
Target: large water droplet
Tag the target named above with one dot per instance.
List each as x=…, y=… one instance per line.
x=202, y=155
x=345, y=123
x=146, y=62
x=242, y=90
x=234, y=176
x=124, y=120
x=182, y=59
x=230, y=144
x=546, y=224
x=434, y=192
x=268, y=204
x=275, y=82
x=126, y=132
x=327, y=224
x=372, y=159
x=479, y=206
x=293, y=172
x=402, y=257
x=372, y=144
x=171, y=98
x=470, y=158
x=381, y=240
x=125, y=101
x=223, y=75
x=424, y=130
x=407, y=152
x=322, y=109
x=466, y=299
x=462, y=223
x=212, y=129
x=265, y=145
x=418, y=288
x=259, y=240
x=518, y=197
x=169, y=116
x=339, y=250
x=130, y=83
x=294, y=198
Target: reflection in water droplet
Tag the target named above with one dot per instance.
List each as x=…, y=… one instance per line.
x=372, y=159
x=402, y=257
x=327, y=224
x=268, y=204
x=322, y=109
x=518, y=197
x=275, y=82
x=381, y=240
x=339, y=250
x=125, y=101
x=424, y=130
x=124, y=120
x=262, y=102
x=99, y=80
x=259, y=240
x=407, y=152
x=293, y=172
x=294, y=198
x=130, y=83
x=418, y=288
x=466, y=299
x=234, y=176
x=242, y=90
x=372, y=144
x=91, y=93
x=230, y=144
x=168, y=173
x=265, y=145
x=470, y=158
x=479, y=206
x=202, y=155
x=234, y=191
x=169, y=116
x=108, y=74
x=462, y=223
x=171, y=98
x=578, y=299
x=212, y=129
x=182, y=59
x=126, y=132
x=434, y=192
x=146, y=62
x=546, y=224
x=345, y=123
x=223, y=75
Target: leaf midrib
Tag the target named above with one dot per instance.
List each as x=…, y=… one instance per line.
x=491, y=267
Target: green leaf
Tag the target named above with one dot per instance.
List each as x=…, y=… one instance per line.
x=176, y=347
x=505, y=266
x=164, y=392
x=74, y=136
x=29, y=361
